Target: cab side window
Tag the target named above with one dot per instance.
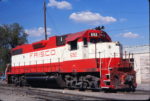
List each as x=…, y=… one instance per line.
x=85, y=42
x=17, y=51
x=73, y=45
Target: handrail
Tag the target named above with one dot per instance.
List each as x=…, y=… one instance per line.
x=100, y=67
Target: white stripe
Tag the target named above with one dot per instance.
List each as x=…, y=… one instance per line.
x=64, y=54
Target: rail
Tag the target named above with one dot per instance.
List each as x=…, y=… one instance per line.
x=65, y=94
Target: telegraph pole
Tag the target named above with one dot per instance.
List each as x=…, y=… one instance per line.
x=45, y=20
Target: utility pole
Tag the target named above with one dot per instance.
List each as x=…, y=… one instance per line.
x=45, y=20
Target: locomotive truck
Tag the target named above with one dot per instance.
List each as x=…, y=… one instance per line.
x=86, y=60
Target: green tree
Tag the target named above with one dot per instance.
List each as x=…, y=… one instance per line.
x=10, y=36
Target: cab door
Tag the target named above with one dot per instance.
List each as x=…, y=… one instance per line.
x=85, y=49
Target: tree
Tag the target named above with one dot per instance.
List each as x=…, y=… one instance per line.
x=10, y=36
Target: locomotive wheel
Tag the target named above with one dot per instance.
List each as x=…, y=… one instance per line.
x=12, y=79
x=60, y=81
x=131, y=88
x=69, y=85
x=84, y=85
x=23, y=81
x=73, y=84
x=70, y=82
x=16, y=81
x=95, y=86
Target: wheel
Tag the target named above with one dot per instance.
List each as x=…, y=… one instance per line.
x=23, y=81
x=84, y=85
x=73, y=84
x=131, y=88
x=16, y=81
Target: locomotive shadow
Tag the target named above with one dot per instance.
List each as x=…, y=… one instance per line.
x=45, y=84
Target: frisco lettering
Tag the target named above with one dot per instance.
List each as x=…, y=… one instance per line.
x=43, y=53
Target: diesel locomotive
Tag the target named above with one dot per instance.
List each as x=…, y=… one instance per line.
x=86, y=60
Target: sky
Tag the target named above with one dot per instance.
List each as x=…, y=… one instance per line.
x=126, y=21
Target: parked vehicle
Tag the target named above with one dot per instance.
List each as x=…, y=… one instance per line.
x=87, y=60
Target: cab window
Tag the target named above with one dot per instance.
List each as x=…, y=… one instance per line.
x=85, y=42
x=97, y=40
x=73, y=45
x=17, y=51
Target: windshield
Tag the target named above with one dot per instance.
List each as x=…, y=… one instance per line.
x=97, y=40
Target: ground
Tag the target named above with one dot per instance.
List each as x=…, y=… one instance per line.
x=12, y=93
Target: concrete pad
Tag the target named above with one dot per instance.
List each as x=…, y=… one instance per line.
x=144, y=87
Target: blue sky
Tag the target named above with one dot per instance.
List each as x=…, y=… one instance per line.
x=126, y=21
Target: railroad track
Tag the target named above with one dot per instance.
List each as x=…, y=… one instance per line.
x=119, y=92
x=50, y=95
x=65, y=94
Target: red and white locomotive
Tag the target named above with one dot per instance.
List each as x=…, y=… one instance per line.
x=85, y=60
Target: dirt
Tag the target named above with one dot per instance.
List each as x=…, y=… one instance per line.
x=12, y=93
